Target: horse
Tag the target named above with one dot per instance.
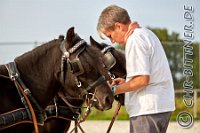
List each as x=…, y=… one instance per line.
x=70, y=66
x=114, y=61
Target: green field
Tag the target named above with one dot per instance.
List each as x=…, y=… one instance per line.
x=107, y=115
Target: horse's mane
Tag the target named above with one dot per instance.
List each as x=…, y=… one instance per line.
x=39, y=51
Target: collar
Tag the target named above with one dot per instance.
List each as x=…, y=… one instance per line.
x=131, y=29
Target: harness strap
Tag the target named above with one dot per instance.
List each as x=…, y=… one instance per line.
x=30, y=108
x=41, y=114
x=63, y=112
x=14, y=75
x=63, y=97
x=106, y=49
x=9, y=118
x=65, y=58
x=114, y=116
x=20, y=115
x=94, y=84
x=14, y=71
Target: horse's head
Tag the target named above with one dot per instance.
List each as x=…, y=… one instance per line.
x=83, y=73
x=113, y=59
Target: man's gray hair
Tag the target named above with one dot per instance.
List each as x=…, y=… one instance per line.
x=109, y=16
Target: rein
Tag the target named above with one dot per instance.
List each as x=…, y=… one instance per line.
x=23, y=92
x=117, y=109
x=89, y=102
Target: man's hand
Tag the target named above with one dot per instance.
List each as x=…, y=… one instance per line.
x=118, y=81
x=119, y=98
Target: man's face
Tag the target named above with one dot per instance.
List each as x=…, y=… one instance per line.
x=116, y=35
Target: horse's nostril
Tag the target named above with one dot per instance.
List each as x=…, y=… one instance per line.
x=108, y=100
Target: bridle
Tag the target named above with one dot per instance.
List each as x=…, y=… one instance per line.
x=109, y=62
x=76, y=70
x=76, y=67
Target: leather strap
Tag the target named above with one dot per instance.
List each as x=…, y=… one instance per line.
x=14, y=75
x=114, y=116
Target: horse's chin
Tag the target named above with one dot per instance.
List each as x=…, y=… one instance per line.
x=101, y=107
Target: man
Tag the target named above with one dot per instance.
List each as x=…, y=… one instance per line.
x=148, y=88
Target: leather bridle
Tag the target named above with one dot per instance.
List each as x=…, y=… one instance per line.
x=76, y=67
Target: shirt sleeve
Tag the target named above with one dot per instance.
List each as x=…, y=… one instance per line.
x=137, y=57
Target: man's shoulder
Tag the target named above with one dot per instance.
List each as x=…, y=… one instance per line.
x=141, y=31
x=143, y=34
x=139, y=34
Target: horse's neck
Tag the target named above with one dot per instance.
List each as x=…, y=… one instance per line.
x=37, y=69
x=121, y=57
x=3, y=71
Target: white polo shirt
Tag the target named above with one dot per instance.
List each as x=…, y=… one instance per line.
x=145, y=56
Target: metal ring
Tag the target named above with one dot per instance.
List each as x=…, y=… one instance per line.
x=79, y=84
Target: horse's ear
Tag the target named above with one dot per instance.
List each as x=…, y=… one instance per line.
x=61, y=37
x=95, y=43
x=70, y=35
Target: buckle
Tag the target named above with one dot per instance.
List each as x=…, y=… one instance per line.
x=14, y=76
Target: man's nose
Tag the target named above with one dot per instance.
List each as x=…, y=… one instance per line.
x=113, y=41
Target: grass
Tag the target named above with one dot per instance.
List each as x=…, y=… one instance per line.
x=107, y=115
x=180, y=107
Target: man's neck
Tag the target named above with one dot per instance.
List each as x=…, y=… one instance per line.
x=131, y=28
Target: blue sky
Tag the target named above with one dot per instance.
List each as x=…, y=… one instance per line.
x=44, y=20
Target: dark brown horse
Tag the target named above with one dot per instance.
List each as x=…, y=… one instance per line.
x=70, y=66
x=114, y=61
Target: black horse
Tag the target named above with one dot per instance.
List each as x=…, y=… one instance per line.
x=114, y=61
x=70, y=66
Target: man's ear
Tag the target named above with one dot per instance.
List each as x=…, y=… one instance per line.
x=118, y=26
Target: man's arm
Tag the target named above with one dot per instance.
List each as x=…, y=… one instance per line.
x=136, y=83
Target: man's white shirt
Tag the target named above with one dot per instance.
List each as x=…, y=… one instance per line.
x=145, y=56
